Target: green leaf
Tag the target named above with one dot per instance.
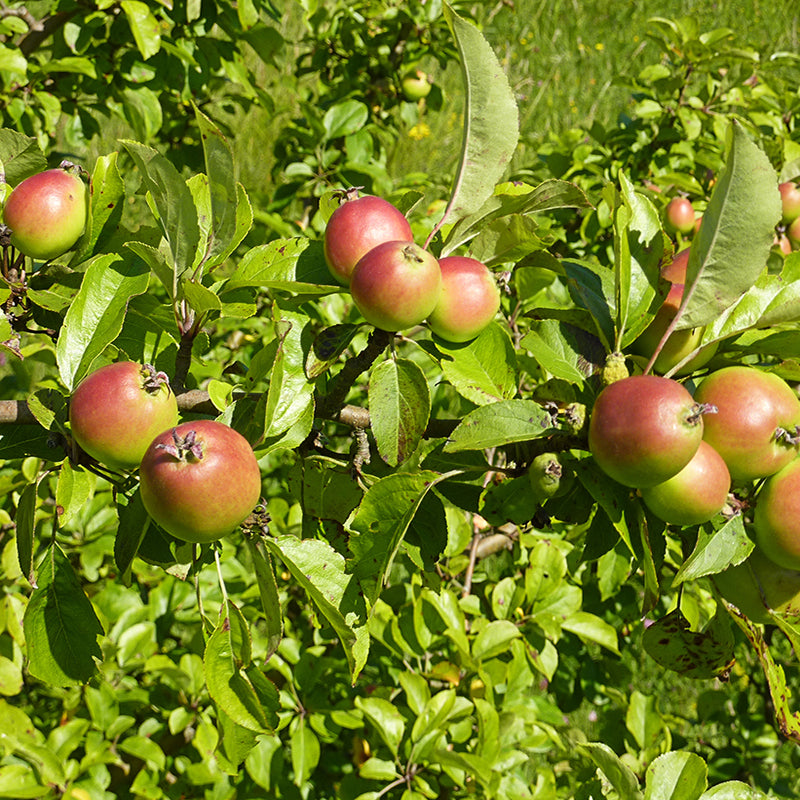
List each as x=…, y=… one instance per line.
x=732, y=246
x=290, y=393
x=305, y=750
x=292, y=265
x=345, y=118
x=268, y=590
x=320, y=570
x=491, y=119
x=483, y=370
x=560, y=349
x=499, y=424
x=134, y=522
x=175, y=210
x=716, y=551
x=327, y=346
x=592, y=287
x=733, y=790
x=226, y=659
x=21, y=156
x=617, y=772
x=399, y=406
x=676, y=776
x=494, y=639
x=61, y=627
x=144, y=27
x=639, y=246
x=381, y=523
x=96, y=316
x=73, y=491
x=385, y=718
x=591, y=628
x=25, y=528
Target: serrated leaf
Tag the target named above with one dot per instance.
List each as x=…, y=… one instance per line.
x=73, y=490
x=399, y=405
x=327, y=346
x=134, y=522
x=61, y=627
x=499, y=424
x=96, y=315
x=292, y=265
x=617, y=772
x=592, y=287
x=381, y=523
x=732, y=246
x=144, y=27
x=20, y=155
x=561, y=349
x=320, y=570
x=385, y=718
x=25, y=519
x=176, y=213
x=483, y=370
x=491, y=120
x=268, y=591
x=107, y=191
x=716, y=551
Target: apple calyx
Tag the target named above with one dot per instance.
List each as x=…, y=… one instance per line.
x=153, y=380
x=698, y=409
x=185, y=448
x=782, y=436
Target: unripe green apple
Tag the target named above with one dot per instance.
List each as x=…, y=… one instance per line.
x=759, y=584
x=468, y=301
x=416, y=85
x=793, y=233
x=396, y=285
x=357, y=226
x=644, y=429
x=548, y=476
x=696, y=494
x=756, y=423
x=790, y=201
x=46, y=213
x=679, y=216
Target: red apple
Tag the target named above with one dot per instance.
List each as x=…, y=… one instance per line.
x=396, y=285
x=790, y=201
x=46, y=213
x=468, y=301
x=679, y=216
x=357, y=226
x=777, y=516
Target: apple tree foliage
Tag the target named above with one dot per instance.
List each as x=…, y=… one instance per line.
x=402, y=616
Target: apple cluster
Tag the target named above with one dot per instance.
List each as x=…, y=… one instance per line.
x=683, y=452
x=396, y=284
x=46, y=213
x=199, y=480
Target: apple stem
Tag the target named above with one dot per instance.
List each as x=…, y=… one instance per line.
x=697, y=411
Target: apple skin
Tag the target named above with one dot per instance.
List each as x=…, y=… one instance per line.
x=644, y=429
x=696, y=494
x=793, y=233
x=751, y=406
x=790, y=201
x=200, y=496
x=416, y=85
x=679, y=216
x=759, y=584
x=117, y=410
x=46, y=213
x=396, y=285
x=679, y=344
x=357, y=226
x=777, y=516
x=468, y=301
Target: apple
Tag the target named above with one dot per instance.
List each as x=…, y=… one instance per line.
x=696, y=494
x=757, y=419
x=468, y=301
x=357, y=226
x=644, y=429
x=396, y=285
x=47, y=213
x=117, y=410
x=777, y=516
x=679, y=216
x=790, y=201
x=200, y=480
x=416, y=85
x=759, y=584
x=793, y=232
